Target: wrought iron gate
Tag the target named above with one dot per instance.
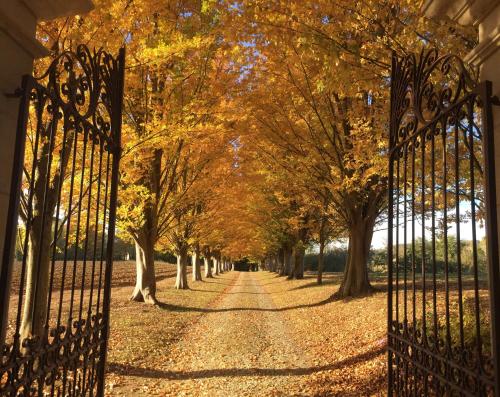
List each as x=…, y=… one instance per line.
x=55, y=278
x=444, y=285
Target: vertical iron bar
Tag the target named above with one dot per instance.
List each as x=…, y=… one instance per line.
x=405, y=240
x=68, y=224
x=457, y=225
x=413, y=256
x=105, y=211
x=445, y=243
x=389, y=268
x=424, y=319
x=87, y=224
x=56, y=226
x=116, y=141
x=392, y=143
x=53, y=129
x=433, y=236
x=477, y=308
x=78, y=222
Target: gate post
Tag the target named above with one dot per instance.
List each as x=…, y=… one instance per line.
x=9, y=250
x=485, y=92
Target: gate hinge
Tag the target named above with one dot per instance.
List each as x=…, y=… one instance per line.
x=495, y=100
x=16, y=94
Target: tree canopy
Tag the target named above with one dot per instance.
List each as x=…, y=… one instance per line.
x=254, y=128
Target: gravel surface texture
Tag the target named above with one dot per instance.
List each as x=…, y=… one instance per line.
x=241, y=347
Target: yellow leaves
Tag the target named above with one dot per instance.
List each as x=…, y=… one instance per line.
x=320, y=86
x=277, y=105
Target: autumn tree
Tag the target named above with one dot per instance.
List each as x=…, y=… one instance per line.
x=319, y=95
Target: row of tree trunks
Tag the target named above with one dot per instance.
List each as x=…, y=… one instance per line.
x=228, y=265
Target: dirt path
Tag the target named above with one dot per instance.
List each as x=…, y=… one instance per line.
x=240, y=347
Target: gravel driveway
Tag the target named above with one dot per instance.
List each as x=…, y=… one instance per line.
x=240, y=347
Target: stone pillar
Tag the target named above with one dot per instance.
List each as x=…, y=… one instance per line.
x=485, y=15
x=18, y=49
x=486, y=56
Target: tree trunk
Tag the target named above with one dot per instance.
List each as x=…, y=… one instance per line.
x=38, y=256
x=281, y=262
x=145, y=284
x=355, y=280
x=196, y=263
x=321, y=256
x=208, y=265
x=221, y=267
x=147, y=235
x=181, y=281
x=298, y=261
x=287, y=260
x=216, y=265
x=37, y=280
x=291, y=263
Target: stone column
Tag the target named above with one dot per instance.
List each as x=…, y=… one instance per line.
x=18, y=49
x=485, y=15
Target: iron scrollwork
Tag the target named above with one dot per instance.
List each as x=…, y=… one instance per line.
x=68, y=147
x=423, y=88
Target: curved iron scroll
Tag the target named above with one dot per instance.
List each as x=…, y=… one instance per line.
x=443, y=302
x=62, y=214
x=424, y=87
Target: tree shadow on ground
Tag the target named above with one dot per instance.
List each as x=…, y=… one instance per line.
x=217, y=280
x=176, y=308
x=131, y=370
x=314, y=284
x=374, y=290
x=232, y=293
